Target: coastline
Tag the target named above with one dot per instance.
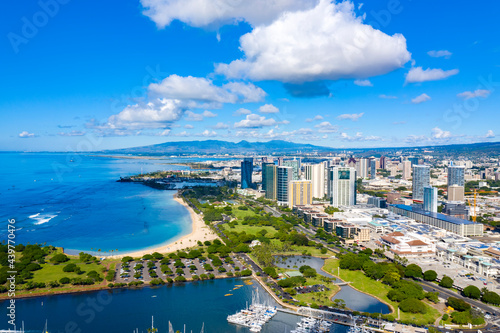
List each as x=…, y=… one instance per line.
x=200, y=232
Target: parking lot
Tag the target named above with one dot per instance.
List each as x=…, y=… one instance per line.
x=191, y=267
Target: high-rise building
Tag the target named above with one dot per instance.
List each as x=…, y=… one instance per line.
x=269, y=179
x=406, y=170
x=456, y=175
x=299, y=193
x=362, y=168
x=316, y=174
x=246, y=172
x=377, y=202
x=413, y=160
x=373, y=168
x=382, y=162
x=295, y=165
x=343, y=186
x=280, y=161
x=430, y=199
x=421, y=179
x=456, y=193
x=284, y=176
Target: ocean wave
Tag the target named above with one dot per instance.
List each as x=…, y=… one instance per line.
x=42, y=218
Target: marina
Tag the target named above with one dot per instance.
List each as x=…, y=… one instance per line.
x=253, y=316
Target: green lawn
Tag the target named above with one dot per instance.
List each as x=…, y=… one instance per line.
x=251, y=230
x=376, y=288
x=50, y=272
x=241, y=214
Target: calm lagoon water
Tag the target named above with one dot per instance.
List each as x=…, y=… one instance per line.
x=354, y=299
x=121, y=311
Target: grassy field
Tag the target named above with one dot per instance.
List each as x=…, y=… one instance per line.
x=50, y=272
x=378, y=289
x=241, y=214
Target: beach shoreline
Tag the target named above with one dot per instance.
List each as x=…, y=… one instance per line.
x=200, y=232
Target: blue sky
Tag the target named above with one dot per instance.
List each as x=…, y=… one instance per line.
x=97, y=75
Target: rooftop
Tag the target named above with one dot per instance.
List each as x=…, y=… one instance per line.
x=439, y=216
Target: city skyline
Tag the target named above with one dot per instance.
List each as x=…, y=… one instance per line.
x=148, y=72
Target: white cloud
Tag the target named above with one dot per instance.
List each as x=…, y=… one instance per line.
x=317, y=117
x=208, y=114
x=387, y=96
x=306, y=134
x=473, y=94
x=72, y=133
x=327, y=42
x=241, y=111
x=164, y=132
x=202, y=89
x=363, y=83
x=438, y=133
x=207, y=133
x=268, y=108
x=421, y=98
x=441, y=53
x=255, y=121
x=25, y=134
x=417, y=74
x=490, y=134
x=159, y=113
x=353, y=116
x=192, y=116
x=221, y=126
x=359, y=137
x=326, y=127
x=202, y=13
x=188, y=126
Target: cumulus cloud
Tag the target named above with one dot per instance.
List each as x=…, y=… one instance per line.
x=203, y=13
x=441, y=53
x=204, y=90
x=417, y=74
x=353, y=116
x=421, y=98
x=363, y=83
x=327, y=42
x=473, y=94
x=490, y=134
x=359, y=137
x=209, y=114
x=26, y=134
x=255, y=121
x=159, y=113
x=317, y=117
x=326, y=127
x=438, y=133
x=207, y=133
x=221, y=126
x=241, y=111
x=268, y=108
x=188, y=126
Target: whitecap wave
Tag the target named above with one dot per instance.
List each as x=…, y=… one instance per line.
x=42, y=218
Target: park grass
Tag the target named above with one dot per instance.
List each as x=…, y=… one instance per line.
x=241, y=214
x=51, y=272
x=251, y=229
x=364, y=284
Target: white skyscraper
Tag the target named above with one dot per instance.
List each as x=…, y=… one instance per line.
x=362, y=167
x=316, y=174
x=430, y=199
x=343, y=186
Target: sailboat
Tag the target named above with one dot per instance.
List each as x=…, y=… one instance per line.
x=152, y=329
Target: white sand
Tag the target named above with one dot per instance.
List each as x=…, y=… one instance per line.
x=201, y=232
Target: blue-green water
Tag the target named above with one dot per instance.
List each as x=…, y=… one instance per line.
x=75, y=202
x=122, y=311
x=354, y=299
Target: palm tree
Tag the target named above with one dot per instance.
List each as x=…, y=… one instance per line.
x=484, y=290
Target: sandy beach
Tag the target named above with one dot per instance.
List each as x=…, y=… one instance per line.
x=201, y=232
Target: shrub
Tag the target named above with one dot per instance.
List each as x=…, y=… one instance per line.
x=412, y=305
x=491, y=297
x=59, y=258
x=458, y=304
x=430, y=275
x=65, y=280
x=472, y=292
x=246, y=272
x=446, y=282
